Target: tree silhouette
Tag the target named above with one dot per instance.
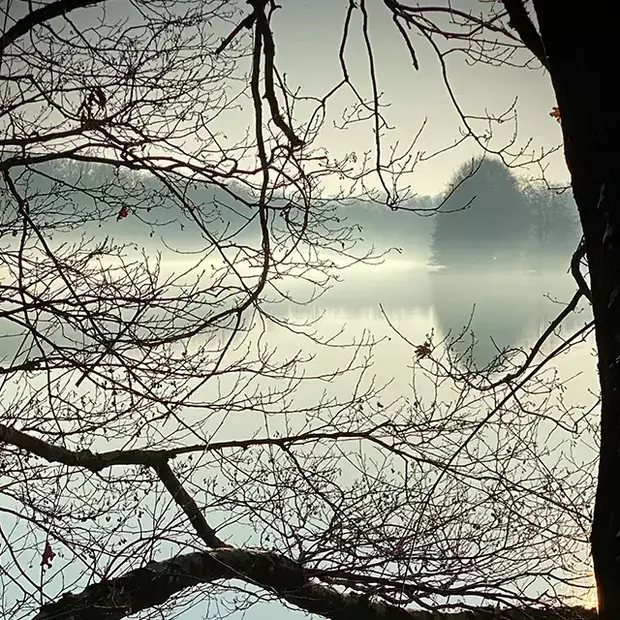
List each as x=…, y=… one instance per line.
x=483, y=220
x=156, y=443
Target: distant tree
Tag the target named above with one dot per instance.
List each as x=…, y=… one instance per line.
x=483, y=218
x=554, y=223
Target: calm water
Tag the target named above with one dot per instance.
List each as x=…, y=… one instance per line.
x=502, y=310
x=499, y=309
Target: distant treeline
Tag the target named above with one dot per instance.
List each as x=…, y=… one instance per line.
x=486, y=215
x=486, y=218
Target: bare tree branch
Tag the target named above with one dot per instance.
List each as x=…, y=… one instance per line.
x=39, y=16
x=81, y=458
x=575, y=269
x=189, y=506
x=522, y=23
x=156, y=582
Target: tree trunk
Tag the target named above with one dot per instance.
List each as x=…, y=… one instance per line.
x=581, y=45
x=603, y=252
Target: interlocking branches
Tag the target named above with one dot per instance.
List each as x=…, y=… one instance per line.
x=163, y=216
x=156, y=582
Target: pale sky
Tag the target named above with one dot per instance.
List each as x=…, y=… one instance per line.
x=308, y=35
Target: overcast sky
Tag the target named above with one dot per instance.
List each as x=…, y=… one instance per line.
x=308, y=35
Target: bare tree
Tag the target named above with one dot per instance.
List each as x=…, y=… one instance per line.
x=156, y=450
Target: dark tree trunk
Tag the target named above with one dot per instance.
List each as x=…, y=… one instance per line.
x=581, y=45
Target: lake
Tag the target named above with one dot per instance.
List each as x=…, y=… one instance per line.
x=395, y=307
x=496, y=309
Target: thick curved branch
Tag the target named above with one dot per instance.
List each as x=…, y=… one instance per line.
x=575, y=269
x=157, y=459
x=269, y=51
x=97, y=461
x=522, y=23
x=40, y=16
x=248, y=23
x=156, y=582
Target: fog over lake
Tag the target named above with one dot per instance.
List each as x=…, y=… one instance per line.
x=496, y=308
x=478, y=295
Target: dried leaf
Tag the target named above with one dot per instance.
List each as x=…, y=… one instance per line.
x=48, y=555
x=555, y=113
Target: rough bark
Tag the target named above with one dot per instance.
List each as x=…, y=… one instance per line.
x=581, y=47
x=156, y=582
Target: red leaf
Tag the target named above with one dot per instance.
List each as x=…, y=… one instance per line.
x=555, y=113
x=122, y=213
x=48, y=555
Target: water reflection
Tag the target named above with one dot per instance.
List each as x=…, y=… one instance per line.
x=501, y=310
